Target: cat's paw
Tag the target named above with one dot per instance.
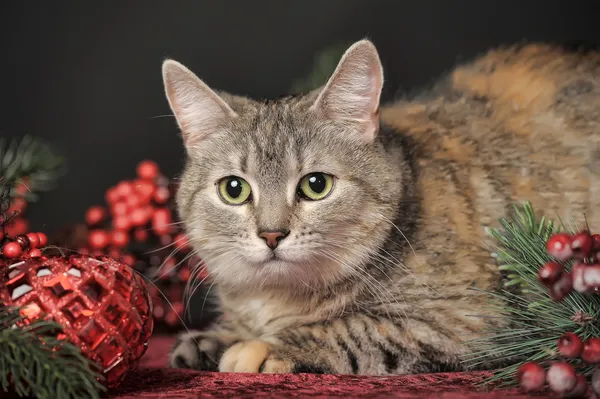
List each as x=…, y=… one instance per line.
x=262, y=357
x=198, y=350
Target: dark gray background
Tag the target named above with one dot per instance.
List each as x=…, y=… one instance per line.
x=86, y=75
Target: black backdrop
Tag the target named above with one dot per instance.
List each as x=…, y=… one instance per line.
x=86, y=75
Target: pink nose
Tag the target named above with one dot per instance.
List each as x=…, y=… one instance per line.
x=272, y=238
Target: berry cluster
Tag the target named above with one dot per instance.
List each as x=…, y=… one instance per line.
x=138, y=226
x=22, y=246
x=561, y=376
x=583, y=249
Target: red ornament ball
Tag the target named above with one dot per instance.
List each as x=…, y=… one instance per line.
x=582, y=244
x=550, y=273
x=34, y=240
x=591, y=350
x=570, y=345
x=103, y=306
x=562, y=288
x=531, y=376
x=95, y=215
x=580, y=389
x=43, y=239
x=561, y=377
x=12, y=250
x=147, y=170
x=559, y=246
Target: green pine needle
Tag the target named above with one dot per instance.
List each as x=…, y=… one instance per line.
x=30, y=367
x=33, y=159
x=536, y=320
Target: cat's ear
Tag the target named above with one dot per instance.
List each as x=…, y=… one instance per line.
x=198, y=109
x=352, y=94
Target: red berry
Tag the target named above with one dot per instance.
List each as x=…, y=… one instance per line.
x=570, y=345
x=579, y=284
x=119, y=238
x=120, y=208
x=550, y=273
x=140, y=216
x=591, y=276
x=121, y=223
x=531, y=376
x=17, y=226
x=34, y=240
x=591, y=350
x=184, y=274
x=43, y=239
x=147, y=170
x=162, y=195
x=140, y=235
x=145, y=190
x=35, y=253
x=161, y=221
x=181, y=242
x=582, y=244
x=18, y=205
x=580, y=389
x=98, y=239
x=111, y=196
x=596, y=381
x=95, y=215
x=559, y=246
x=562, y=288
x=12, y=250
x=561, y=377
x=129, y=260
x=124, y=189
x=133, y=201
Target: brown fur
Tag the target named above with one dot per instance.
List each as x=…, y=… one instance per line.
x=519, y=123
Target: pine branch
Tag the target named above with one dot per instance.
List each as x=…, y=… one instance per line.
x=536, y=320
x=31, y=162
x=34, y=362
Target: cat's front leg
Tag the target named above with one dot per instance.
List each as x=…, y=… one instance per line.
x=202, y=350
x=357, y=344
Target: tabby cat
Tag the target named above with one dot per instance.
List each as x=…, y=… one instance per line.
x=343, y=236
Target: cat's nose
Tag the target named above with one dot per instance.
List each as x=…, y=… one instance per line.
x=272, y=238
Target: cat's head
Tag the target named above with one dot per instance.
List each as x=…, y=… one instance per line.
x=296, y=193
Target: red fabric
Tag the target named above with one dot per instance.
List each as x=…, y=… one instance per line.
x=154, y=380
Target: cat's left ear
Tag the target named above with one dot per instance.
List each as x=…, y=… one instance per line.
x=352, y=94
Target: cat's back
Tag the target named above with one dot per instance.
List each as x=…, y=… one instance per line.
x=518, y=123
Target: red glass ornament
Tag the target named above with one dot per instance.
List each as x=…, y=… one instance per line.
x=531, y=376
x=12, y=250
x=561, y=377
x=102, y=304
x=550, y=273
x=570, y=345
x=591, y=350
x=147, y=170
x=582, y=244
x=95, y=215
x=34, y=240
x=559, y=246
x=43, y=238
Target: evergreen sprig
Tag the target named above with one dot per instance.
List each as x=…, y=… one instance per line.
x=31, y=159
x=35, y=363
x=536, y=320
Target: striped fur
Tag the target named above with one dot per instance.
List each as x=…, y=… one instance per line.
x=519, y=123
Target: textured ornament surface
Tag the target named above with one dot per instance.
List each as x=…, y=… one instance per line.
x=103, y=305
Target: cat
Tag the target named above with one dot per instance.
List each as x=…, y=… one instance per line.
x=343, y=235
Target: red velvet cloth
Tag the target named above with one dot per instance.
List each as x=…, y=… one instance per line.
x=154, y=380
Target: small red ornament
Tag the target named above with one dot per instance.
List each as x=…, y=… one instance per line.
x=579, y=284
x=95, y=215
x=550, y=273
x=580, y=389
x=34, y=240
x=12, y=250
x=103, y=306
x=591, y=276
x=562, y=288
x=531, y=376
x=99, y=239
x=582, y=244
x=43, y=239
x=559, y=246
x=147, y=170
x=35, y=253
x=591, y=350
x=561, y=377
x=570, y=345
x=121, y=223
x=119, y=238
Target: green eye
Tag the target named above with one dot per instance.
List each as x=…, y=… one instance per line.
x=234, y=190
x=315, y=186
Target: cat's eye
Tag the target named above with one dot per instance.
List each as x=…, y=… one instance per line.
x=234, y=190
x=315, y=186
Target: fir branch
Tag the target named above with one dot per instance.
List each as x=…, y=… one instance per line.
x=34, y=362
x=536, y=320
x=32, y=162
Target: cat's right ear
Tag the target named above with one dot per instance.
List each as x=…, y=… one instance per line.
x=198, y=109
